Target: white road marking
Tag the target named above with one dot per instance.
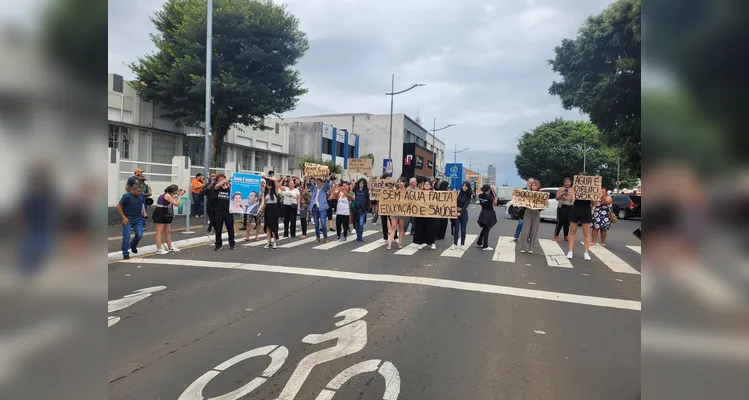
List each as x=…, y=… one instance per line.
x=708, y=286
x=612, y=261
x=262, y=242
x=409, y=250
x=413, y=280
x=370, y=246
x=335, y=243
x=700, y=344
x=539, y=332
x=129, y=300
x=505, y=250
x=112, y=320
x=458, y=252
x=555, y=255
x=298, y=242
x=638, y=249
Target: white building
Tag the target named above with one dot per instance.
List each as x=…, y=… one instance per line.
x=137, y=129
x=374, y=136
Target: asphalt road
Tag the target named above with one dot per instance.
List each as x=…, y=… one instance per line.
x=465, y=327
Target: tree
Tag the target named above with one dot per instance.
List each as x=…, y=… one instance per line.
x=554, y=150
x=601, y=72
x=311, y=158
x=368, y=155
x=255, y=45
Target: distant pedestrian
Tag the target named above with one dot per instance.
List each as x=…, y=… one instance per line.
x=582, y=214
x=133, y=180
x=271, y=212
x=520, y=211
x=223, y=216
x=318, y=206
x=132, y=212
x=197, y=200
x=361, y=202
x=602, y=218
x=564, y=206
x=487, y=217
x=532, y=221
x=460, y=225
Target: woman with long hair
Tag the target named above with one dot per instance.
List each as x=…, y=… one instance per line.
x=564, y=204
x=291, y=197
x=531, y=222
x=271, y=213
x=343, y=210
x=461, y=223
x=361, y=202
x=397, y=225
x=442, y=230
x=163, y=215
x=487, y=217
x=425, y=229
x=580, y=213
x=224, y=217
x=602, y=218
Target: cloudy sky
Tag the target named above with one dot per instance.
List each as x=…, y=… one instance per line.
x=484, y=63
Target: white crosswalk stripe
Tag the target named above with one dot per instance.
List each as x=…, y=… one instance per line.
x=638, y=249
x=370, y=246
x=297, y=243
x=612, y=261
x=505, y=250
x=262, y=241
x=458, y=252
x=555, y=255
x=409, y=250
x=336, y=243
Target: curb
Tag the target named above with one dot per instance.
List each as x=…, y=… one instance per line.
x=151, y=249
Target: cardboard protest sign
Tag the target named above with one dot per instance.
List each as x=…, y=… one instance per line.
x=419, y=203
x=245, y=193
x=353, y=177
x=377, y=185
x=316, y=170
x=529, y=199
x=360, y=165
x=587, y=187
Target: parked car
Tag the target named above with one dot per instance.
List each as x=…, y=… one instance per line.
x=549, y=214
x=504, y=194
x=626, y=205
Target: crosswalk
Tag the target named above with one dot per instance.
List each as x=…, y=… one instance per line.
x=554, y=253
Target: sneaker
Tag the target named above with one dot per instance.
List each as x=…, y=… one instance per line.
x=133, y=250
x=162, y=252
x=434, y=246
x=231, y=247
x=217, y=248
x=275, y=245
x=556, y=239
x=453, y=247
x=174, y=250
x=318, y=240
x=586, y=256
x=343, y=240
x=421, y=246
x=530, y=251
x=302, y=237
x=488, y=249
x=479, y=245
x=522, y=251
x=514, y=240
x=462, y=247
x=569, y=255
x=267, y=246
x=126, y=256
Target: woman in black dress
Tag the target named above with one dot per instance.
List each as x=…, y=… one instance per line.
x=271, y=212
x=487, y=217
x=425, y=229
x=444, y=187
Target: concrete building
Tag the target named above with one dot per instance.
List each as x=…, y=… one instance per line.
x=374, y=136
x=316, y=138
x=140, y=133
x=491, y=174
x=476, y=178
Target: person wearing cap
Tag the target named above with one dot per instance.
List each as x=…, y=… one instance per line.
x=131, y=181
x=197, y=200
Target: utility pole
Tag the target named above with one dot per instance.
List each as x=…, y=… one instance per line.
x=392, y=95
x=434, y=138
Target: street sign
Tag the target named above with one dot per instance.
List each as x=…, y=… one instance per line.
x=454, y=172
x=387, y=166
x=618, y=183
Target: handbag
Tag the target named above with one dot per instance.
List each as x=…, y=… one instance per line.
x=169, y=215
x=613, y=217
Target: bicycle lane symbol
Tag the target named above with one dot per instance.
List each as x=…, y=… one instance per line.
x=129, y=300
x=351, y=337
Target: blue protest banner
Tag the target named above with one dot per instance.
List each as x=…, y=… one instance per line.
x=245, y=193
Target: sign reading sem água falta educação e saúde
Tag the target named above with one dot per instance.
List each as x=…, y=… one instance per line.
x=419, y=203
x=587, y=187
x=529, y=199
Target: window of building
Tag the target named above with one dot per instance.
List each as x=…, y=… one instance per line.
x=351, y=151
x=276, y=160
x=120, y=138
x=163, y=148
x=221, y=157
x=339, y=150
x=327, y=146
x=261, y=160
x=246, y=159
x=193, y=148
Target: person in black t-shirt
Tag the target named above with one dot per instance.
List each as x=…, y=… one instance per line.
x=221, y=211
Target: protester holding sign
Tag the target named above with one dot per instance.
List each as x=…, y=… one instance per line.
x=318, y=206
x=531, y=221
x=487, y=217
x=581, y=212
x=291, y=197
x=397, y=224
x=425, y=228
x=255, y=212
x=564, y=206
x=222, y=213
x=602, y=218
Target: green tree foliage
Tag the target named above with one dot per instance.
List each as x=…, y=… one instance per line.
x=368, y=155
x=601, y=71
x=311, y=158
x=554, y=150
x=255, y=46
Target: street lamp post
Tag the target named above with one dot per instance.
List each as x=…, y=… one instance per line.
x=392, y=94
x=455, y=153
x=208, y=79
x=434, y=151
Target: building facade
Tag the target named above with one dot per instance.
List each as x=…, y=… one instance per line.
x=140, y=133
x=475, y=178
x=491, y=174
x=417, y=162
x=373, y=131
x=320, y=140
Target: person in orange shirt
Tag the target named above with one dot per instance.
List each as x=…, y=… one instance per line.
x=197, y=200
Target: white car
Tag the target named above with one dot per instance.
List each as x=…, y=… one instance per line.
x=550, y=213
